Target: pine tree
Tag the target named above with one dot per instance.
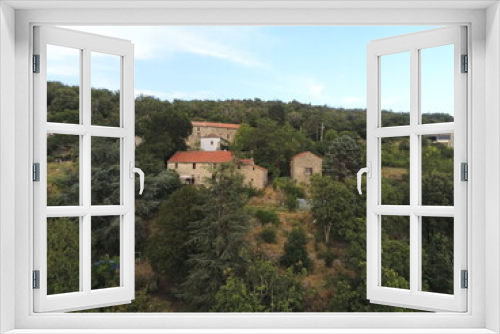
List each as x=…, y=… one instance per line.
x=218, y=239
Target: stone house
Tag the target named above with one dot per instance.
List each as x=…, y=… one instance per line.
x=225, y=131
x=254, y=176
x=194, y=167
x=304, y=165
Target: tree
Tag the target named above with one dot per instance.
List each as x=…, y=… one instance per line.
x=168, y=249
x=63, y=253
x=342, y=158
x=264, y=288
x=272, y=146
x=277, y=113
x=332, y=202
x=218, y=239
x=296, y=256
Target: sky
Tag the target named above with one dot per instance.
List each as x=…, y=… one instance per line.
x=321, y=65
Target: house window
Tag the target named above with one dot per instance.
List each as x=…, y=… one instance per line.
x=194, y=165
x=176, y=165
x=308, y=171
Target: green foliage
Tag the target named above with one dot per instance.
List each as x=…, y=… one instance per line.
x=168, y=248
x=105, y=272
x=327, y=256
x=295, y=255
x=343, y=157
x=63, y=253
x=218, y=239
x=268, y=235
x=290, y=192
x=267, y=217
x=332, y=203
x=263, y=288
x=277, y=113
x=271, y=145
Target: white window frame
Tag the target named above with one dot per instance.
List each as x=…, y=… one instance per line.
x=415, y=210
x=85, y=43
x=483, y=315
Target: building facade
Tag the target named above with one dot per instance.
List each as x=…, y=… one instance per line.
x=304, y=165
x=225, y=131
x=254, y=176
x=213, y=142
x=195, y=167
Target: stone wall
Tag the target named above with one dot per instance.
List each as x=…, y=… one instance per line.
x=305, y=165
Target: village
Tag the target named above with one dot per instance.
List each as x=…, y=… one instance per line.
x=209, y=145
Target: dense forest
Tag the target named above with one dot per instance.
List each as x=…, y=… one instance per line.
x=229, y=248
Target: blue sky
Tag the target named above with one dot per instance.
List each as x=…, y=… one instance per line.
x=311, y=64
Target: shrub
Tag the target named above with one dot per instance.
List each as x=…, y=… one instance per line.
x=268, y=235
x=267, y=217
x=328, y=257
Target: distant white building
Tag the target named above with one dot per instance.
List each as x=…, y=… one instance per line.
x=212, y=142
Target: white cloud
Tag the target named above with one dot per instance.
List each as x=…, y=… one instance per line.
x=316, y=89
x=161, y=42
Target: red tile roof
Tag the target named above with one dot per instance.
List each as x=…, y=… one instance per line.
x=216, y=125
x=250, y=162
x=202, y=156
x=304, y=153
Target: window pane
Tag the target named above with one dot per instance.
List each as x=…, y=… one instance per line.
x=437, y=84
x=105, y=171
x=105, y=85
x=395, y=170
x=105, y=252
x=437, y=169
x=396, y=252
x=63, y=170
x=395, y=89
x=63, y=84
x=437, y=254
x=63, y=255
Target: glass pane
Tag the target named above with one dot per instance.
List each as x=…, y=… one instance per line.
x=63, y=255
x=437, y=169
x=105, y=85
x=395, y=170
x=63, y=170
x=437, y=84
x=105, y=252
x=437, y=254
x=105, y=171
x=396, y=252
x=63, y=84
x=395, y=89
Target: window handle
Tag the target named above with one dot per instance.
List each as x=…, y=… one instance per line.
x=134, y=170
x=368, y=171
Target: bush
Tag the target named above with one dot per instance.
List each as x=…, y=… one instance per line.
x=291, y=202
x=295, y=255
x=328, y=257
x=267, y=217
x=268, y=235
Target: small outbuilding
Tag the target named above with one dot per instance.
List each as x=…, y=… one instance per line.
x=304, y=165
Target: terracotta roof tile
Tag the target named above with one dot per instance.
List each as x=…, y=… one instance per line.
x=202, y=156
x=216, y=125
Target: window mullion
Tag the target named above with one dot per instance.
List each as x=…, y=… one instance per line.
x=414, y=170
x=86, y=243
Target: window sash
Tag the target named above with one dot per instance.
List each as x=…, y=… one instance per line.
x=414, y=298
x=86, y=297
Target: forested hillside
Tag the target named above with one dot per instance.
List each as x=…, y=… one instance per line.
x=229, y=248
